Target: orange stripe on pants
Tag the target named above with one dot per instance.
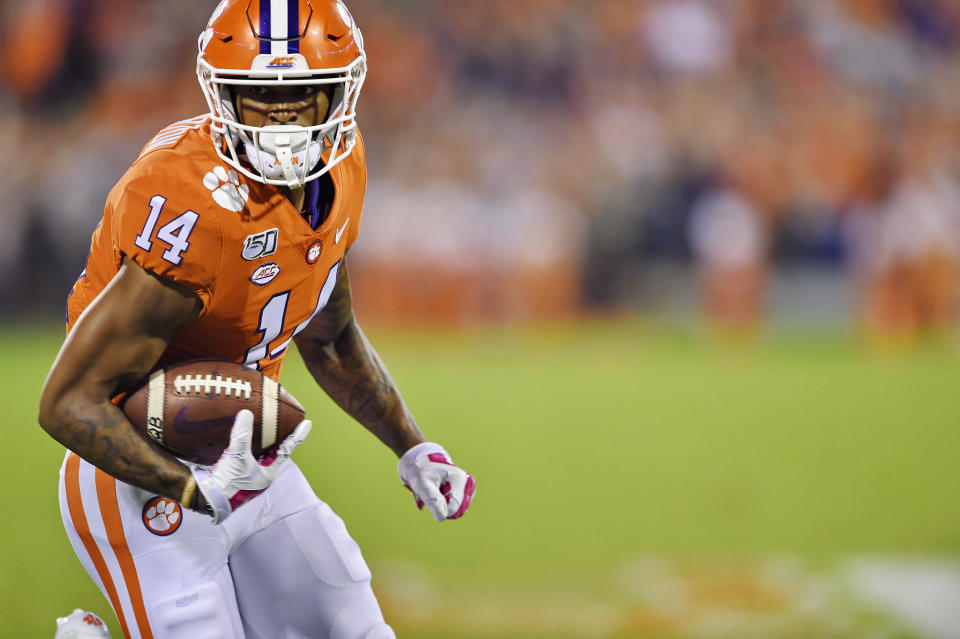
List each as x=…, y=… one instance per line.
x=75, y=506
x=110, y=509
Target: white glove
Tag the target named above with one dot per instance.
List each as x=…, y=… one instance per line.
x=429, y=473
x=238, y=476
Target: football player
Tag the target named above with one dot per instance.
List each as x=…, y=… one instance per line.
x=227, y=239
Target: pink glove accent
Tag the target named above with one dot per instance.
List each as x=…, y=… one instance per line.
x=468, y=491
x=422, y=471
x=243, y=496
x=238, y=477
x=440, y=458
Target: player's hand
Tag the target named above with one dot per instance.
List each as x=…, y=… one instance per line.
x=238, y=476
x=429, y=473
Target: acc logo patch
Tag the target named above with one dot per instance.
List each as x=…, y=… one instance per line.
x=313, y=253
x=281, y=62
x=162, y=516
x=265, y=273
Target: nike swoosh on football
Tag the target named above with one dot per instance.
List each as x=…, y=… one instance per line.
x=336, y=240
x=186, y=427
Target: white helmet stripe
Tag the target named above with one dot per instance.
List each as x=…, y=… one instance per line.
x=278, y=27
x=279, y=21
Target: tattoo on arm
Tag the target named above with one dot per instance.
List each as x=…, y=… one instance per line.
x=112, y=345
x=347, y=367
x=369, y=401
x=103, y=437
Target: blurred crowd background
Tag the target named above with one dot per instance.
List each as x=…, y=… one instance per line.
x=744, y=161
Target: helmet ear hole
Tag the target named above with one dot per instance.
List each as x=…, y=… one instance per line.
x=228, y=103
x=331, y=92
x=233, y=102
x=229, y=97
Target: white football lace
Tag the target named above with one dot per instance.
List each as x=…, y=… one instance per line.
x=206, y=384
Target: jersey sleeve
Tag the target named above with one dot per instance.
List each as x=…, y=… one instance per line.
x=358, y=186
x=166, y=227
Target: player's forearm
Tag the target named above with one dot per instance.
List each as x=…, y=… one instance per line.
x=112, y=346
x=100, y=433
x=352, y=374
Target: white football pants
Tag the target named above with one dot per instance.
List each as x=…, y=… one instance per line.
x=281, y=567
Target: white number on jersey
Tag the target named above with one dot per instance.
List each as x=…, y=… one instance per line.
x=271, y=325
x=272, y=317
x=156, y=205
x=176, y=232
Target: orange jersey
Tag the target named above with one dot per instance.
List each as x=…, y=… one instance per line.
x=259, y=268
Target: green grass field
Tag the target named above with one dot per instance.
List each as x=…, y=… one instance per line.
x=633, y=481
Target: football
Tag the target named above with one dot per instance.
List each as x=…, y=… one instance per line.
x=189, y=408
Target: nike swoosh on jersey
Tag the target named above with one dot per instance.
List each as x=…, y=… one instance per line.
x=336, y=240
x=186, y=427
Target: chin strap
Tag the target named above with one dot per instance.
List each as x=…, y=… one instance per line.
x=284, y=154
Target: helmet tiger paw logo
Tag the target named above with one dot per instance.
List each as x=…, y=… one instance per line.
x=226, y=189
x=162, y=516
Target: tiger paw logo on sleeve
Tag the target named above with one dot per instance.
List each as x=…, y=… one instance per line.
x=226, y=189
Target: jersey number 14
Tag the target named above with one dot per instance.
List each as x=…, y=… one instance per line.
x=176, y=232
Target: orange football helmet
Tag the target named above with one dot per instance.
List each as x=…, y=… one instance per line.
x=282, y=42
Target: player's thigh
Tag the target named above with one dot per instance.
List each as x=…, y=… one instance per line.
x=305, y=576
x=163, y=569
